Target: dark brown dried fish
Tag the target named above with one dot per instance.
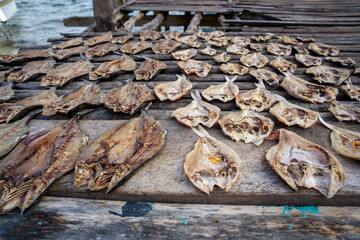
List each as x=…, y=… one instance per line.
x=6, y=93
x=31, y=70
x=247, y=125
x=345, y=61
x=89, y=94
x=149, y=69
x=171, y=34
x=98, y=39
x=256, y=47
x=222, y=57
x=24, y=56
x=149, y=35
x=303, y=164
x=236, y=49
x=128, y=98
x=291, y=41
x=65, y=73
x=184, y=54
x=108, y=69
x=122, y=39
x=101, y=50
x=279, y=49
x=224, y=92
x=308, y=60
x=70, y=43
x=261, y=38
x=328, y=74
x=165, y=47
x=301, y=50
x=351, y=90
x=265, y=75
x=283, y=65
x=8, y=111
x=190, y=66
x=116, y=154
x=345, y=112
x=323, y=49
x=208, y=51
x=233, y=69
x=135, y=47
x=304, y=90
x=69, y=52
x=240, y=41
x=254, y=60
x=173, y=90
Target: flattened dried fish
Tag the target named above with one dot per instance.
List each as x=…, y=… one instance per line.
x=203, y=35
x=197, y=112
x=171, y=34
x=101, y=50
x=149, y=69
x=256, y=47
x=247, y=125
x=258, y=99
x=3, y=75
x=31, y=70
x=69, y=52
x=135, y=47
x=24, y=56
x=306, y=39
x=357, y=71
x=173, y=90
x=301, y=163
x=232, y=69
x=89, y=94
x=212, y=163
x=323, y=49
x=301, y=50
x=190, y=40
x=113, y=156
x=261, y=38
x=308, y=60
x=8, y=111
x=291, y=114
x=149, y=35
x=208, y=51
x=328, y=74
x=65, y=73
x=108, y=69
x=291, y=41
x=265, y=75
x=283, y=65
x=184, y=54
x=224, y=92
x=236, y=49
x=345, y=61
x=122, y=39
x=304, y=90
x=240, y=41
x=98, y=39
x=218, y=41
x=254, y=60
x=6, y=93
x=70, y=43
x=351, y=90
x=165, y=47
x=128, y=98
x=345, y=112
x=190, y=66
x=222, y=58
x=216, y=34
x=279, y=49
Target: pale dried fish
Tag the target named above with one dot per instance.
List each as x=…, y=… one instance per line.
x=70, y=43
x=98, y=39
x=190, y=66
x=171, y=34
x=190, y=40
x=345, y=112
x=256, y=47
x=265, y=75
x=69, y=52
x=135, y=47
x=357, y=71
x=25, y=56
x=291, y=41
x=279, y=49
x=326, y=74
x=261, y=38
x=184, y=54
x=149, y=35
x=208, y=51
x=224, y=92
x=101, y=50
x=306, y=39
x=240, y=41
x=218, y=41
x=323, y=49
x=202, y=35
x=283, y=65
x=351, y=90
x=31, y=70
x=149, y=69
x=345, y=61
x=308, y=60
x=122, y=39
x=173, y=90
x=222, y=57
x=254, y=60
x=301, y=50
x=6, y=93
x=233, y=68
x=165, y=47
x=216, y=34
x=236, y=49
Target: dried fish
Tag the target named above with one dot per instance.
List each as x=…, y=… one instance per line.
x=261, y=38
x=301, y=50
x=9, y=111
x=240, y=41
x=173, y=90
x=357, y=71
x=190, y=66
x=128, y=98
x=3, y=75
x=279, y=49
x=283, y=65
x=190, y=40
x=184, y=54
x=149, y=35
x=265, y=75
x=135, y=47
x=89, y=94
x=323, y=49
x=222, y=58
x=101, y=50
x=218, y=41
x=224, y=92
x=306, y=39
x=31, y=70
x=165, y=47
x=256, y=47
x=258, y=99
x=208, y=51
x=345, y=112
x=303, y=164
x=122, y=39
x=308, y=60
x=351, y=90
x=202, y=35
x=254, y=60
x=171, y=34
x=247, y=125
x=25, y=56
x=65, y=73
x=70, y=43
x=69, y=52
x=108, y=69
x=291, y=41
x=232, y=69
x=236, y=49
x=345, y=61
x=212, y=163
x=6, y=93
x=149, y=69
x=113, y=156
x=328, y=74
x=291, y=114
x=304, y=90
x=197, y=112
x=98, y=39
x=216, y=34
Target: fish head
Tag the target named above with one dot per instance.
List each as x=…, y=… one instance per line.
x=83, y=174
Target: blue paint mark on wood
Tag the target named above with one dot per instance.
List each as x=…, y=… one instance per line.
x=40, y=223
x=133, y=209
x=291, y=226
x=185, y=222
x=304, y=210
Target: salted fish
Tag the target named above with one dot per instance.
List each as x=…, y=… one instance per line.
x=190, y=40
x=122, y=39
x=301, y=50
x=31, y=70
x=240, y=41
x=279, y=49
x=135, y=47
x=345, y=61
x=224, y=92
x=149, y=69
x=165, y=46
x=283, y=65
x=261, y=38
x=308, y=60
x=222, y=57
x=292, y=41
x=69, y=52
x=6, y=93
x=171, y=34
x=70, y=43
x=233, y=69
x=351, y=90
x=101, y=50
x=149, y=35
x=326, y=74
x=203, y=35
x=190, y=66
x=306, y=39
x=216, y=34
x=25, y=56
x=345, y=112
x=236, y=49
x=218, y=41
x=98, y=39
x=254, y=60
x=208, y=51
x=184, y=54
x=265, y=75
x=256, y=47
x=173, y=90
x=323, y=49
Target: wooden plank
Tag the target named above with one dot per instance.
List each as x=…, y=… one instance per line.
x=288, y=23
x=104, y=15
x=153, y=24
x=64, y=218
x=78, y=21
x=194, y=23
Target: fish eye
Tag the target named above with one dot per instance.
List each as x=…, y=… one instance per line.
x=81, y=171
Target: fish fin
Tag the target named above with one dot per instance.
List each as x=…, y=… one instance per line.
x=230, y=79
x=260, y=84
x=148, y=106
x=36, y=189
x=200, y=131
x=325, y=123
x=279, y=98
x=119, y=175
x=117, y=53
x=196, y=95
x=130, y=79
x=275, y=135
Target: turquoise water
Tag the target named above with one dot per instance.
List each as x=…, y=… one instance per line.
x=37, y=20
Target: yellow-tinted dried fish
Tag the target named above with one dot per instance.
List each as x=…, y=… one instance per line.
x=173, y=90
x=98, y=39
x=149, y=69
x=256, y=47
x=254, y=60
x=224, y=92
x=70, y=43
x=240, y=41
x=101, y=50
x=135, y=47
x=233, y=69
x=208, y=51
x=165, y=47
x=122, y=39
x=149, y=35
x=190, y=66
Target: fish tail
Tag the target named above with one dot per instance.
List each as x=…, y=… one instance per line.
x=325, y=123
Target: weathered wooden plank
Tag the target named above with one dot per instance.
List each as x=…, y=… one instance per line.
x=129, y=24
x=104, y=15
x=153, y=24
x=194, y=23
x=78, y=21
x=289, y=23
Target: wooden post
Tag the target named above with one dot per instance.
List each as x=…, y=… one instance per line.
x=195, y=22
x=129, y=24
x=104, y=15
x=153, y=24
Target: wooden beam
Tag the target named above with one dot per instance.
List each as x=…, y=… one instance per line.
x=129, y=24
x=288, y=23
x=153, y=24
x=78, y=21
x=195, y=22
x=104, y=15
